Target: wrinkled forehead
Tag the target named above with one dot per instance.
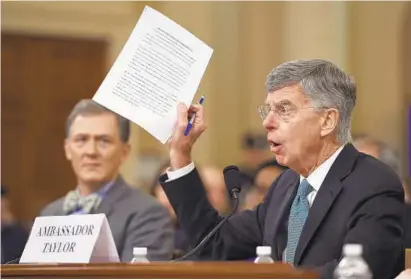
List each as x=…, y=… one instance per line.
x=289, y=94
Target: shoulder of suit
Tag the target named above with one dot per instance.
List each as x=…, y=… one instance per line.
x=53, y=207
x=370, y=165
x=138, y=197
x=375, y=174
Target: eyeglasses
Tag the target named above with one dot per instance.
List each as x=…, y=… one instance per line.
x=282, y=111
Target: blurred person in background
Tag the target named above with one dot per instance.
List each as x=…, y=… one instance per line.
x=264, y=177
x=97, y=145
x=380, y=150
x=255, y=150
x=213, y=180
x=13, y=235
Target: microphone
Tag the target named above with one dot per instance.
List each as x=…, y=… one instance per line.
x=232, y=178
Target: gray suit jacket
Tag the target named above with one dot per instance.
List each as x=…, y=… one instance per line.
x=136, y=219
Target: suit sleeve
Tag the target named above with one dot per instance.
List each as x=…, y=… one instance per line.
x=378, y=226
x=237, y=239
x=153, y=229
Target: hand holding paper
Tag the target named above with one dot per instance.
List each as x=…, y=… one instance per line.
x=192, y=118
x=160, y=65
x=180, y=145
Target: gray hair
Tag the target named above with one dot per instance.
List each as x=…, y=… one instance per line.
x=88, y=107
x=386, y=154
x=324, y=83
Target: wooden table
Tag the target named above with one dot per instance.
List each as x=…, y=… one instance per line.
x=193, y=270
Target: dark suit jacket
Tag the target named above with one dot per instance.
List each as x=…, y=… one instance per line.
x=13, y=241
x=360, y=201
x=136, y=219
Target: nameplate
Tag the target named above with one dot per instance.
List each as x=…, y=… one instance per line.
x=70, y=239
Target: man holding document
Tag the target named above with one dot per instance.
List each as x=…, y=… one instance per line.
x=332, y=195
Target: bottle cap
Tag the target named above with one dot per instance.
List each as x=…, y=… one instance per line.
x=264, y=250
x=352, y=249
x=140, y=251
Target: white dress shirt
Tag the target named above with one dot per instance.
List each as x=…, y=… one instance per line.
x=315, y=179
x=175, y=174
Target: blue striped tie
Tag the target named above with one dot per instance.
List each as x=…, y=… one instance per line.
x=298, y=215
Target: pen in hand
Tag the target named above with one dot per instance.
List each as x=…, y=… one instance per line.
x=193, y=116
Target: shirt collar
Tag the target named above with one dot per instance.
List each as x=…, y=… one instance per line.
x=316, y=178
x=101, y=191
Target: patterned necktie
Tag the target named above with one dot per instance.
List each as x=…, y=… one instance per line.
x=75, y=201
x=298, y=215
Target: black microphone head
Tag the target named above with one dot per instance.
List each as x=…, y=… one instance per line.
x=232, y=178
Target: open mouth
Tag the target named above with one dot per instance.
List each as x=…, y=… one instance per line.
x=275, y=147
x=274, y=144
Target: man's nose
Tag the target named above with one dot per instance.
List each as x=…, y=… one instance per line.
x=271, y=121
x=91, y=147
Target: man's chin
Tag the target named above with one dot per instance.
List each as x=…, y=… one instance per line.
x=281, y=160
x=92, y=179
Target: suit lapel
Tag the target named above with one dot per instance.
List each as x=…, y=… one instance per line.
x=112, y=195
x=284, y=198
x=329, y=191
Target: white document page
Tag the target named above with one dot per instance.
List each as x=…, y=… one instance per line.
x=160, y=65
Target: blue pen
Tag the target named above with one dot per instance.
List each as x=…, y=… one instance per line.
x=191, y=121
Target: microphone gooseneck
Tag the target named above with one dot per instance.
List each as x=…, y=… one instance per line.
x=232, y=180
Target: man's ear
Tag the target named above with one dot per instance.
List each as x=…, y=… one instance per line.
x=329, y=121
x=126, y=152
x=67, y=149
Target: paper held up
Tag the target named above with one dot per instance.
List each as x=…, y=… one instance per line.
x=160, y=65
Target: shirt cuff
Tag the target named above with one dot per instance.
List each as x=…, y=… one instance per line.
x=175, y=174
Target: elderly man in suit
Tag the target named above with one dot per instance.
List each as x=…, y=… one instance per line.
x=96, y=145
x=332, y=195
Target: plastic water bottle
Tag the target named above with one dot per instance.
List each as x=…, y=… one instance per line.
x=263, y=255
x=140, y=255
x=352, y=265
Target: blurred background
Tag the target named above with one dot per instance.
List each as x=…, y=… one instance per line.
x=56, y=53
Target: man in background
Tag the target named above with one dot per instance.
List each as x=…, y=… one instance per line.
x=13, y=235
x=380, y=150
x=264, y=176
x=255, y=150
x=97, y=145
x=217, y=194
